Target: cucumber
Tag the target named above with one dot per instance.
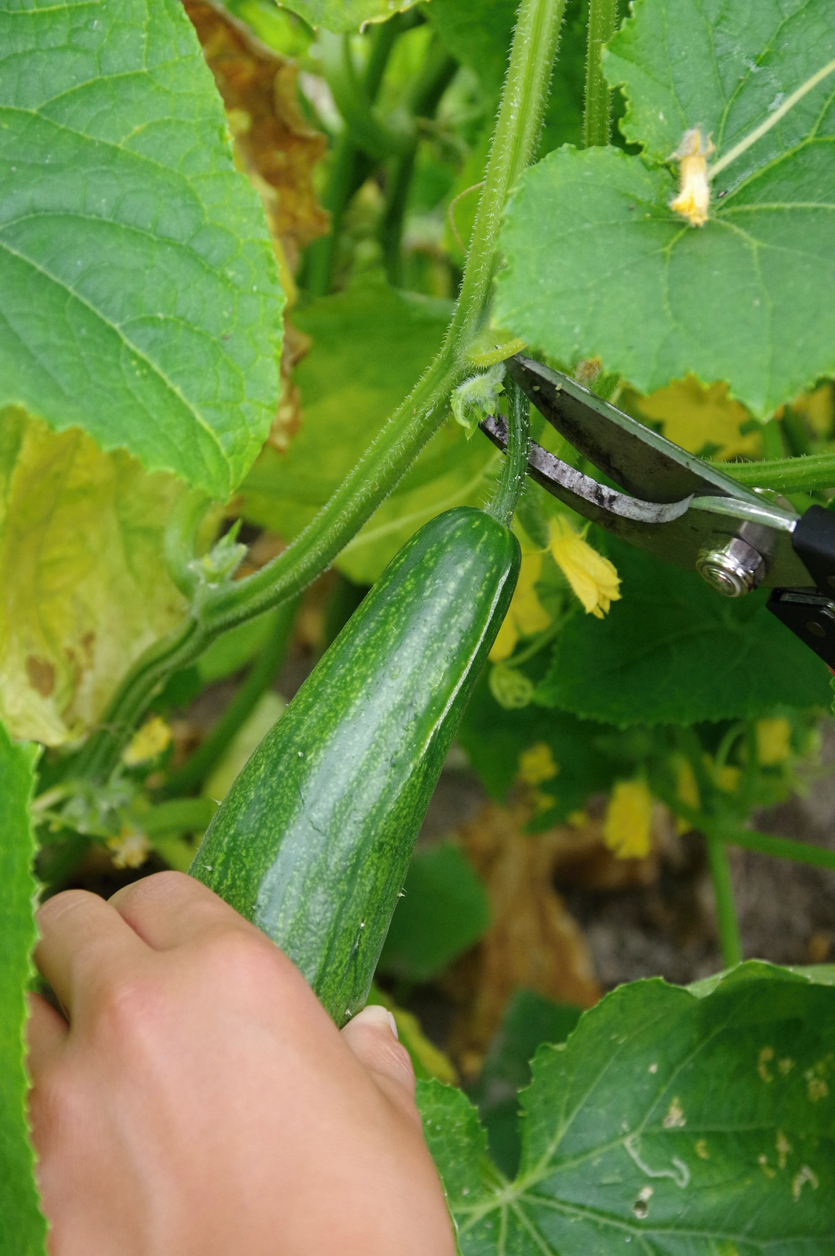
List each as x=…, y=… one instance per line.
x=313, y=841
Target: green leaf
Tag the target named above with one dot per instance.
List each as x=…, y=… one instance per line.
x=673, y=652
x=597, y=262
x=529, y=1020
x=370, y=345
x=697, y=1126
x=494, y=738
x=346, y=15
x=22, y=1228
x=140, y=293
x=82, y=588
x=443, y=912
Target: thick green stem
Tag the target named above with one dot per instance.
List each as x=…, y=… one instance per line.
x=259, y=678
x=220, y=607
x=597, y=124
x=725, y=911
x=512, y=479
x=785, y=475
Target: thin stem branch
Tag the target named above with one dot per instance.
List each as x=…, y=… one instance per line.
x=726, y=919
x=785, y=475
x=512, y=479
x=597, y=123
x=223, y=605
x=260, y=677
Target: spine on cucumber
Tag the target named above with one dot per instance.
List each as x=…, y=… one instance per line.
x=313, y=840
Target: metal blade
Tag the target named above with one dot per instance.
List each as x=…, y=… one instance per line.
x=677, y=530
x=631, y=454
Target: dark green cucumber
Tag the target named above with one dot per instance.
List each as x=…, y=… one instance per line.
x=313, y=840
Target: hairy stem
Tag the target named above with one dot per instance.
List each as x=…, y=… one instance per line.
x=785, y=475
x=221, y=606
x=512, y=479
x=258, y=680
x=597, y=123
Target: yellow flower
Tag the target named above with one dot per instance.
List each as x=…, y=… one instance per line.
x=773, y=741
x=626, y=828
x=526, y=615
x=592, y=577
x=129, y=850
x=693, y=197
x=536, y=764
x=151, y=739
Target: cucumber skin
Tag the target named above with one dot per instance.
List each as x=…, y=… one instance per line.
x=313, y=840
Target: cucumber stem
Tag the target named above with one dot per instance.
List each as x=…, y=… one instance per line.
x=512, y=479
x=222, y=606
x=597, y=123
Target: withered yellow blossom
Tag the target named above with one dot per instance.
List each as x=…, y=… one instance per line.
x=592, y=577
x=628, y=822
x=526, y=615
x=693, y=198
x=536, y=764
x=129, y=850
x=150, y=740
x=773, y=741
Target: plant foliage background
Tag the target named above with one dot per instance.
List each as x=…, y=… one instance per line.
x=232, y=239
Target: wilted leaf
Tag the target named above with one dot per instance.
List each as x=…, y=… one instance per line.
x=532, y=943
x=684, y=1124
x=370, y=345
x=82, y=589
x=140, y=295
x=598, y=262
x=673, y=652
x=22, y=1228
x=276, y=146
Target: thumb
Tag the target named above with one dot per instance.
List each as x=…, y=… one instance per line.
x=372, y=1037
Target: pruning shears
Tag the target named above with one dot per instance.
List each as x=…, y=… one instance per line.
x=681, y=508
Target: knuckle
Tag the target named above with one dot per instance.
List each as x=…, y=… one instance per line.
x=127, y=1009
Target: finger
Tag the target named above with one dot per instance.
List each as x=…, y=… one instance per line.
x=46, y=1034
x=170, y=909
x=83, y=946
x=372, y=1037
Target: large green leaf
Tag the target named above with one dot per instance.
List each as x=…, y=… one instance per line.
x=83, y=590
x=443, y=910
x=346, y=15
x=598, y=264
x=140, y=296
x=689, y=1126
x=22, y=1228
x=370, y=345
x=673, y=652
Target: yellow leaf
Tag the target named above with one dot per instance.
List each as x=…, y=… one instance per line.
x=536, y=764
x=773, y=741
x=150, y=740
x=693, y=416
x=817, y=409
x=593, y=578
x=82, y=589
x=627, y=826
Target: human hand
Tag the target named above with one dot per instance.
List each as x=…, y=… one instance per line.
x=198, y=1100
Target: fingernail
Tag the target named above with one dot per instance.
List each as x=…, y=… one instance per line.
x=376, y=1014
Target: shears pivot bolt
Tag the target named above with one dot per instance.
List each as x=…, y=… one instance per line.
x=732, y=569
